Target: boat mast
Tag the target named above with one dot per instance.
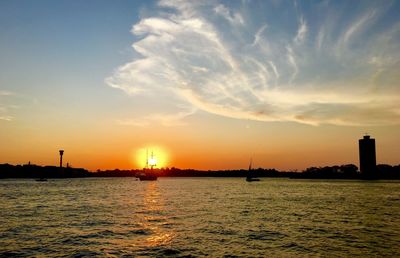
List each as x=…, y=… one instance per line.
x=249, y=172
x=147, y=158
x=152, y=160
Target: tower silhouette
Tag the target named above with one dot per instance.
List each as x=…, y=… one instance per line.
x=367, y=157
x=61, y=155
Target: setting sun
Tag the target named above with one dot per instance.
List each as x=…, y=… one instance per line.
x=152, y=161
x=151, y=155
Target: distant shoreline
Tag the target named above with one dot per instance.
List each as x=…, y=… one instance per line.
x=348, y=171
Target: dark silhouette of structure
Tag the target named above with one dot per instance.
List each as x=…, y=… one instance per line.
x=249, y=177
x=41, y=172
x=61, y=155
x=349, y=171
x=146, y=174
x=367, y=157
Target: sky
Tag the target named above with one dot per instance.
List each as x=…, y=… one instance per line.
x=201, y=84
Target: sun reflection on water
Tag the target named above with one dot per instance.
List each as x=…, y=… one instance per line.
x=155, y=217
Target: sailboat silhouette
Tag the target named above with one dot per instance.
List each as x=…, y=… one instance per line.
x=249, y=178
x=148, y=174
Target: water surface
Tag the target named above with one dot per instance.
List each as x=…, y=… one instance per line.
x=199, y=217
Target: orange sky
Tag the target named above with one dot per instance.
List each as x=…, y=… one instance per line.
x=222, y=143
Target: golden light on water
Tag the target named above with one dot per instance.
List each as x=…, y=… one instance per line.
x=153, y=155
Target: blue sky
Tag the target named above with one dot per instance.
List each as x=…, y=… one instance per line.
x=93, y=70
x=263, y=60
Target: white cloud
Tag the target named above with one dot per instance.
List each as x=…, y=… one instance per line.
x=164, y=119
x=301, y=32
x=292, y=62
x=320, y=38
x=6, y=118
x=6, y=93
x=5, y=112
x=274, y=69
x=232, y=17
x=5, y=109
x=251, y=72
x=356, y=27
x=258, y=35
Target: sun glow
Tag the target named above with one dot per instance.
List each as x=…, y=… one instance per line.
x=151, y=155
x=152, y=161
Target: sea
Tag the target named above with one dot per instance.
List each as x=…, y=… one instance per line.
x=197, y=217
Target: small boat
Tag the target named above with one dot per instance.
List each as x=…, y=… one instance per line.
x=42, y=179
x=249, y=178
x=147, y=177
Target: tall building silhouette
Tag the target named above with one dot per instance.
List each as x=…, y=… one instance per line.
x=367, y=157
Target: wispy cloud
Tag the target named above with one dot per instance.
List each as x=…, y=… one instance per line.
x=6, y=93
x=320, y=38
x=164, y=119
x=301, y=32
x=6, y=118
x=257, y=36
x=292, y=61
x=232, y=17
x=268, y=67
x=356, y=27
x=5, y=109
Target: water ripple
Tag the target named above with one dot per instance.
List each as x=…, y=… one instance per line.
x=195, y=217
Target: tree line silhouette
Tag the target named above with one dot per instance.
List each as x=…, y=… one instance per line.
x=348, y=171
